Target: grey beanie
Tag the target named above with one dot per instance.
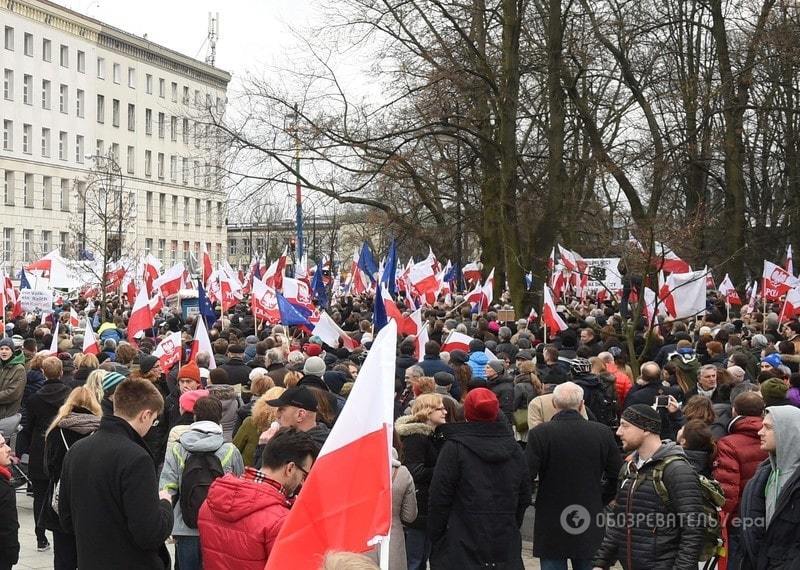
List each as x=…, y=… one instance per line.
x=496, y=365
x=314, y=366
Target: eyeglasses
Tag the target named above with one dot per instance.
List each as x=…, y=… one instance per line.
x=303, y=471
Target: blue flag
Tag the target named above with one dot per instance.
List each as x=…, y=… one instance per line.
x=390, y=270
x=291, y=315
x=204, y=305
x=257, y=270
x=366, y=261
x=23, y=280
x=379, y=318
x=318, y=287
x=529, y=280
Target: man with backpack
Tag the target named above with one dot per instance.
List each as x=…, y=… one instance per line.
x=659, y=520
x=190, y=466
x=599, y=398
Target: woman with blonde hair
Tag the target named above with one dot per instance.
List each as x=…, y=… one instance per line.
x=77, y=418
x=84, y=365
x=419, y=456
x=292, y=378
x=94, y=382
x=246, y=438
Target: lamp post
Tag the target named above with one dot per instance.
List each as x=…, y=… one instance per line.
x=294, y=118
x=452, y=135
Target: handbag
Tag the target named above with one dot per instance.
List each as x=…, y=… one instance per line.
x=521, y=420
x=57, y=486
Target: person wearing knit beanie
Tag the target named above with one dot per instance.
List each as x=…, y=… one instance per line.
x=188, y=400
x=640, y=428
x=189, y=377
x=774, y=392
x=481, y=405
x=111, y=381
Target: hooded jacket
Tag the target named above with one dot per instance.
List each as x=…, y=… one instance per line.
x=642, y=540
x=239, y=523
x=477, y=362
x=12, y=384
x=42, y=407
x=202, y=437
x=226, y=394
x=738, y=456
x=478, y=496
x=772, y=499
x=419, y=456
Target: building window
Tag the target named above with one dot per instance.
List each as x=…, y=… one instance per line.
x=185, y=131
x=209, y=211
x=100, y=147
x=101, y=109
x=197, y=212
x=27, y=89
x=63, y=243
x=185, y=171
x=131, y=117
x=63, y=196
x=220, y=216
x=117, y=72
x=131, y=159
x=27, y=190
x=148, y=84
x=81, y=64
x=148, y=121
x=47, y=240
x=161, y=165
x=174, y=250
x=8, y=188
x=47, y=192
x=27, y=244
x=148, y=245
x=185, y=94
x=161, y=87
x=27, y=138
x=149, y=206
x=27, y=44
x=174, y=210
x=63, y=99
x=196, y=176
x=8, y=244
x=132, y=78
x=148, y=163
x=173, y=128
x=47, y=48
x=45, y=142
x=101, y=68
x=45, y=94
x=9, y=38
x=174, y=92
x=232, y=247
x=8, y=135
x=115, y=112
x=187, y=214
x=115, y=152
x=80, y=105
x=173, y=168
x=162, y=212
x=8, y=84
x=62, y=145
x=162, y=245
x=64, y=56
x=161, y=125
x=79, y=149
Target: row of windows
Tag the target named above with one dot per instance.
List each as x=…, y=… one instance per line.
x=46, y=89
x=162, y=246
x=46, y=141
x=21, y=188
x=213, y=214
x=30, y=248
x=116, y=71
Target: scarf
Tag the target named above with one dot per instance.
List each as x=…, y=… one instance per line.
x=5, y=472
x=80, y=423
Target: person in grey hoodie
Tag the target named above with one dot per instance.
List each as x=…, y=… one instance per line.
x=771, y=500
x=231, y=402
x=204, y=435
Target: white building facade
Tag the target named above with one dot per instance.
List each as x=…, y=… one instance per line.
x=75, y=89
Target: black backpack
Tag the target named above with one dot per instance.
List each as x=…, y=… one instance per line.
x=199, y=471
x=601, y=404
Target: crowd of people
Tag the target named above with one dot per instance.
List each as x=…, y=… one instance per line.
x=122, y=457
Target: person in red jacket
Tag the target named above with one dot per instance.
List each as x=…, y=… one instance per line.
x=248, y=511
x=622, y=384
x=738, y=456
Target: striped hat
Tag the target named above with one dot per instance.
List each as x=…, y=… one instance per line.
x=111, y=380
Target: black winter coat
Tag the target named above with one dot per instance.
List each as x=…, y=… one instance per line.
x=478, y=496
x=156, y=438
x=109, y=501
x=646, y=394
x=777, y=546
x=9, y=525
x=238, y=371
x=433, y=364
x=42, y=408
x=577, y=462
x=503, y=388
x=642, y=536
x=419, y=456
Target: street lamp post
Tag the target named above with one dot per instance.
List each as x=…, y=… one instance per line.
x=294, y=118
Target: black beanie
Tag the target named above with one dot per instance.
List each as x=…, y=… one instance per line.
x=644, y=417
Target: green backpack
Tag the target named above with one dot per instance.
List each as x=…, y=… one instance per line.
x=713, y=500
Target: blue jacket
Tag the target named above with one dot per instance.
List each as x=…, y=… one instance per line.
x=477, y=361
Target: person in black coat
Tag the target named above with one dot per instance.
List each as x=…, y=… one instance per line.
x=479, y=492
x=42, y=408
x=577, y=462
x=645, y=391
x=238, y=371
x=502, y=386
x=431, y=361
x=9, y=524
x=109, y=495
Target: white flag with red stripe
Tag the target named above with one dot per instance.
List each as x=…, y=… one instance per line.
x=74, y=319
x=172, y=280
x=789, y=265
x=422, y=278
x=202, y=343
x=791, y=305
x=359, y=513
x=90, y=344
x=141, y=317
x=550, y=317
x=687, y=294
x=727, y=289
x=456, y=341
x=54, y=342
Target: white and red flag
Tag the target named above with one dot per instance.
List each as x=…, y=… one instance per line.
x=550, y=317
x=141, y=317
x=789, y=265
x=330, y=333
x=169, y=351
x=687, y=294
x=172, y=280
x=791, y=305
x=207, y=266
x=74, y=319
x=90, y=344
x=472, y=272
x=273, y=276
x=727, y=289
x=456, y=341
x=264, y=303
x=201, y=343
x=751, y=303
x=423, y=278
x=359, y=514
x=54, y=342
x=776, y=281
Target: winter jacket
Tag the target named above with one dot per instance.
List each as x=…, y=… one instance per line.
x=478, y=496
x=738, y=456
x=419, y=456
x=622, y=383
x=277, y=372
x=34, y=380
x=80, y=377
x=403, y=362
x=109, y=501
x=640, y=540
x=42, y=408
x=9, y=523
x=510, y=349
x=230, y=404
x=74, y=427
x=477, y=362
x=556, y=373
x=238, y=371
x=793, y=395
x=503, y=388
x=239, y=523
x=246, y=440
x=156, y=438
x=700, y=460
x=523, y=391
x=541, y=410
x=577, y=463
x=12, y=384
x=201, y=437
x=433, y=364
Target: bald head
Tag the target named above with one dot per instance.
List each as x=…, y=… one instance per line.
x=650, y=372
x=606, y=357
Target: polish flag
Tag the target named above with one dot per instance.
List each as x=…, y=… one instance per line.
x=330, y=333
x=74, y=319
x=488, y=291
x=54, y=342
x=753, y=296
x=359, y=514
x=264, y=303
x=169, y=351
x=392, y=312
x=422, y=277
x=456, y=341
x=533, y=315
x=550, y=317
x=569, y=258
x=777, y=281
x=688, y=293
x=273, y=276
x=90, y=344
x=789, y=266
x=650, y=304
x=172, y=280
x=45, y=264
x=420, y=333
x=208, y=268
x=141, y=318
x=710, y=281
x=202, y=343
x=791, y=305
x=727, y=289
x=472, y=272
x=156, y=303
x=297, y=292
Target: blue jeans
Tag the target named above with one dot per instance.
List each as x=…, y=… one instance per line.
x=561, y=563
x=418, y=549
x=187, y=552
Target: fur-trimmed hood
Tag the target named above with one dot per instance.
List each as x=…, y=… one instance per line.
x=408, y=425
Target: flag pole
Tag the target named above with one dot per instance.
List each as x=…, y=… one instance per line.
x=545, y=330
x=764, y=311
x=785, y=300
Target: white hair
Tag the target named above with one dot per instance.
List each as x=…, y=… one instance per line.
x=568, y=396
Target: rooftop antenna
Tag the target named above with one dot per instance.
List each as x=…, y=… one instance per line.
x=213, y=36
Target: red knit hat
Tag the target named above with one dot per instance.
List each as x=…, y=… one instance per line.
x=481, y=405
x=190, y=371
x=313, y=349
